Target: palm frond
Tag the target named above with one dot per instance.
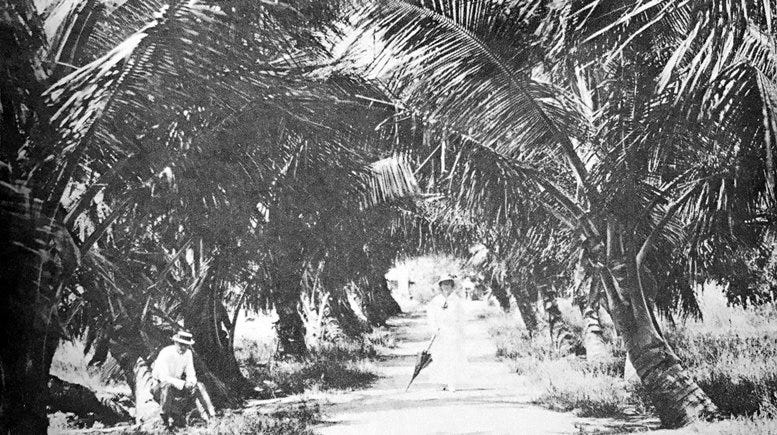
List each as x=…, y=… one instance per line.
x=445, y=73
x=391, y=179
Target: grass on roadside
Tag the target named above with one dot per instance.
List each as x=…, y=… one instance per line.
x=339, y=365
x=731, y=355
x=761, y=424
x=295, y=418
x=342, y=365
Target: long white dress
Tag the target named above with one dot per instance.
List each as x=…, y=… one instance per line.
x=449, y=353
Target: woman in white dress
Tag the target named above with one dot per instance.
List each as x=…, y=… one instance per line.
x=446, y=316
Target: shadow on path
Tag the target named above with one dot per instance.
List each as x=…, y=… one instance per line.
x=492, y=400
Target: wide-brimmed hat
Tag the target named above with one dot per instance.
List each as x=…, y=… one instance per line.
x=183, y=337
x=447, y=278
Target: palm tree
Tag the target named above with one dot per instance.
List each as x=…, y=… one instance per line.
x=640, y=152
x=127, y=156
x=36, y=251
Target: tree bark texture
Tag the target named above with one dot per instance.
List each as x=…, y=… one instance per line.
x=501, y=295
x=347, y=320
x=525, y=305
x=593, y=337
x=289, y=327
x=563, y=340
x=678, y=399
x=209, y=323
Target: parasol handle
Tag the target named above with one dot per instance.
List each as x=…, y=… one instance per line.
x=434, y=337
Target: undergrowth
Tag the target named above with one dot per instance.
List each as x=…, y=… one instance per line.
x=293, y=419
x=341, y=365
x=731, y=355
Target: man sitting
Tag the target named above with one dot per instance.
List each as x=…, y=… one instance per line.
x=177, y=384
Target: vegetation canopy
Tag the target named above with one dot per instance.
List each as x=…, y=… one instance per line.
x=166, y=164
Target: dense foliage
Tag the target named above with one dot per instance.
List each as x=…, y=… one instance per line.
x=165, y=160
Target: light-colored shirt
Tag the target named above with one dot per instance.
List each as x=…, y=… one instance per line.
x=171, y=366
x=445, y=314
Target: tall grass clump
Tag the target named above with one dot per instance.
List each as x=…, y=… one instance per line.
x=732, y=355
x=524, y=351
x=591, y=389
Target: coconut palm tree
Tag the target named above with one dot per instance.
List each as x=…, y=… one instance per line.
x=36, y=251
x=137, y=154
x=640, y=145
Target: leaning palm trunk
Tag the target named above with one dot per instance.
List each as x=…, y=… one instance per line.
x=499, y=293
x=209, y=323
x=677, y=398
x=525, y=306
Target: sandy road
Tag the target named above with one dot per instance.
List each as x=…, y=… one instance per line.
x=493, y=400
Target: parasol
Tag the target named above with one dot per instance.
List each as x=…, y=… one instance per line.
x=424, y=359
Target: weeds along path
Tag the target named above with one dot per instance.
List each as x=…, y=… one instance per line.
x=492, y=399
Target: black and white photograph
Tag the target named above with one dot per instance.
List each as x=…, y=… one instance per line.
x=388, y=217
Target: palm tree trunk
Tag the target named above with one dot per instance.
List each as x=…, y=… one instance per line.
x=349, y=322
x=562, y=338
x=209, y=323
x=525, y=305
x=385, y=299
x=593, y=337
x=29, y=337
x=500, y=294
x=29, y=273
x=289, y=327
x=678, y=399
x=25, y=373
x=377, y=303
x=142, y=381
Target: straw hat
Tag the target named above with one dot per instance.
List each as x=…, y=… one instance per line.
x=447, y=278
x=183, y=337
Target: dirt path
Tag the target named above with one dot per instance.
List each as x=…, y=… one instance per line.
x=493, y=400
